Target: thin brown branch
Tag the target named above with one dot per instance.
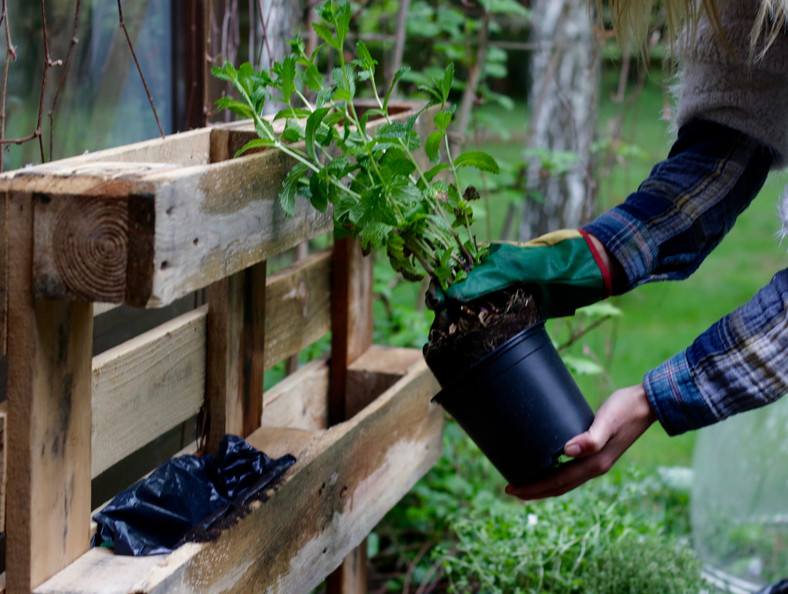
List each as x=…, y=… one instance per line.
x=10, y=54
x=580, y=332
x=264, y=41
x=414, y=564
x=472, y=84
x=122, y=25
x=48, y=63
x=55, y=99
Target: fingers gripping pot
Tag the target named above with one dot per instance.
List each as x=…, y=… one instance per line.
x=520, y=405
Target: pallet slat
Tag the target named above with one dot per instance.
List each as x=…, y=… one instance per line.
x=146, y=386
x=346, y=478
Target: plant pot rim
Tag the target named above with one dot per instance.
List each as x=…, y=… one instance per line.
x=500, y=351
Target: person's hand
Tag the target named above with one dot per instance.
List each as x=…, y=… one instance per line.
x=620, y=421
x=564, y=269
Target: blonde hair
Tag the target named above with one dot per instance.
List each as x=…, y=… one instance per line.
x=631, y=21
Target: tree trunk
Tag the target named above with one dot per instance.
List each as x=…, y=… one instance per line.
x=563, y=103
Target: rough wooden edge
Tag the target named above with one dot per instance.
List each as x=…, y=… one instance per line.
x=146, y=386
x=346, y=478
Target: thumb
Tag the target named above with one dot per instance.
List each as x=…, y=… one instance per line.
x=590, y=442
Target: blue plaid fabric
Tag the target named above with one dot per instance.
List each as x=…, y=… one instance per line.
x=664, y=231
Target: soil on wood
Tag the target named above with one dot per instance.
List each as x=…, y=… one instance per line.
x=464, y=333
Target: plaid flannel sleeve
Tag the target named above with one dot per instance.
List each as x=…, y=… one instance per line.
x=664, y=231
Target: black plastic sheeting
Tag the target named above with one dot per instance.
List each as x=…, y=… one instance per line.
x=185, y=495
x=780, y=587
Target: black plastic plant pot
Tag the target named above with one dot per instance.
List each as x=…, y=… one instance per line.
x=520, y=405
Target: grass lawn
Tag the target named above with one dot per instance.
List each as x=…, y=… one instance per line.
x=661, y=319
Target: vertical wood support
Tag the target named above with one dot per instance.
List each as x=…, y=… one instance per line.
x=3, y=294
x=236, y=335
x=49, y=414
x=351, y=335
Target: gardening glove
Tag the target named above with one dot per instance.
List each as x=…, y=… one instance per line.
x=562, y=269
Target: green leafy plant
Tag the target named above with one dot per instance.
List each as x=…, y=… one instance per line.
x=378, y=187
x=585, y=542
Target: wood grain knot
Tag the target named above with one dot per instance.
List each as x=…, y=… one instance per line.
x=91, y=257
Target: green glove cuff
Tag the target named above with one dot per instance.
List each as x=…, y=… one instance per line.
x=564, y=275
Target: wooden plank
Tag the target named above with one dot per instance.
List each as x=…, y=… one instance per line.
x=184, y=148
x=298, y=307
x=299, y=401
x=49, y=414
x=146, y=386
x=236, y=338
x=220, y=219
x=3, y=280
x=3, y=460
x=345, y=480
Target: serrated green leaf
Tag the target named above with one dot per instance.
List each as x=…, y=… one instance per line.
x=293, y=131
x=341, y=22
x=477, y=159
x=430, y=174
x=235, y=106
x=253, y=144
x=444, y=85
x=312, y=126
x=433, y=144
x=397, y=75
x=443, y=119
x=225, y=72
x=292, y=113
x=264, y=129
x=288, y=77
x=319, y=192
x=344, y=80
x=366, y=61
x=397, y=134
x=396, y=163
x=374, y=235
x=287, y=194
x=312, y=78
x=327, y=35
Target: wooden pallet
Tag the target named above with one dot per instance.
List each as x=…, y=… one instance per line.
x=146, y=225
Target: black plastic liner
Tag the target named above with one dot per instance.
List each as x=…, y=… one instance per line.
x=184, y=497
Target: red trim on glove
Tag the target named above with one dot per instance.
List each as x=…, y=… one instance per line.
x=606, y=278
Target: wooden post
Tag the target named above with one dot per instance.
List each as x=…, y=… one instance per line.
x=351, y=335
x=236, y=335
x=49, y=414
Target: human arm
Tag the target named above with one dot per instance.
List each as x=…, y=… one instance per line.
x=663, y=231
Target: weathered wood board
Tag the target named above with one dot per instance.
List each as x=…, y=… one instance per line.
x=145, y=386
x=346, y=478
x=49, y=412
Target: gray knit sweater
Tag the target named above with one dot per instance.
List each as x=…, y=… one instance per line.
x=722, y=83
